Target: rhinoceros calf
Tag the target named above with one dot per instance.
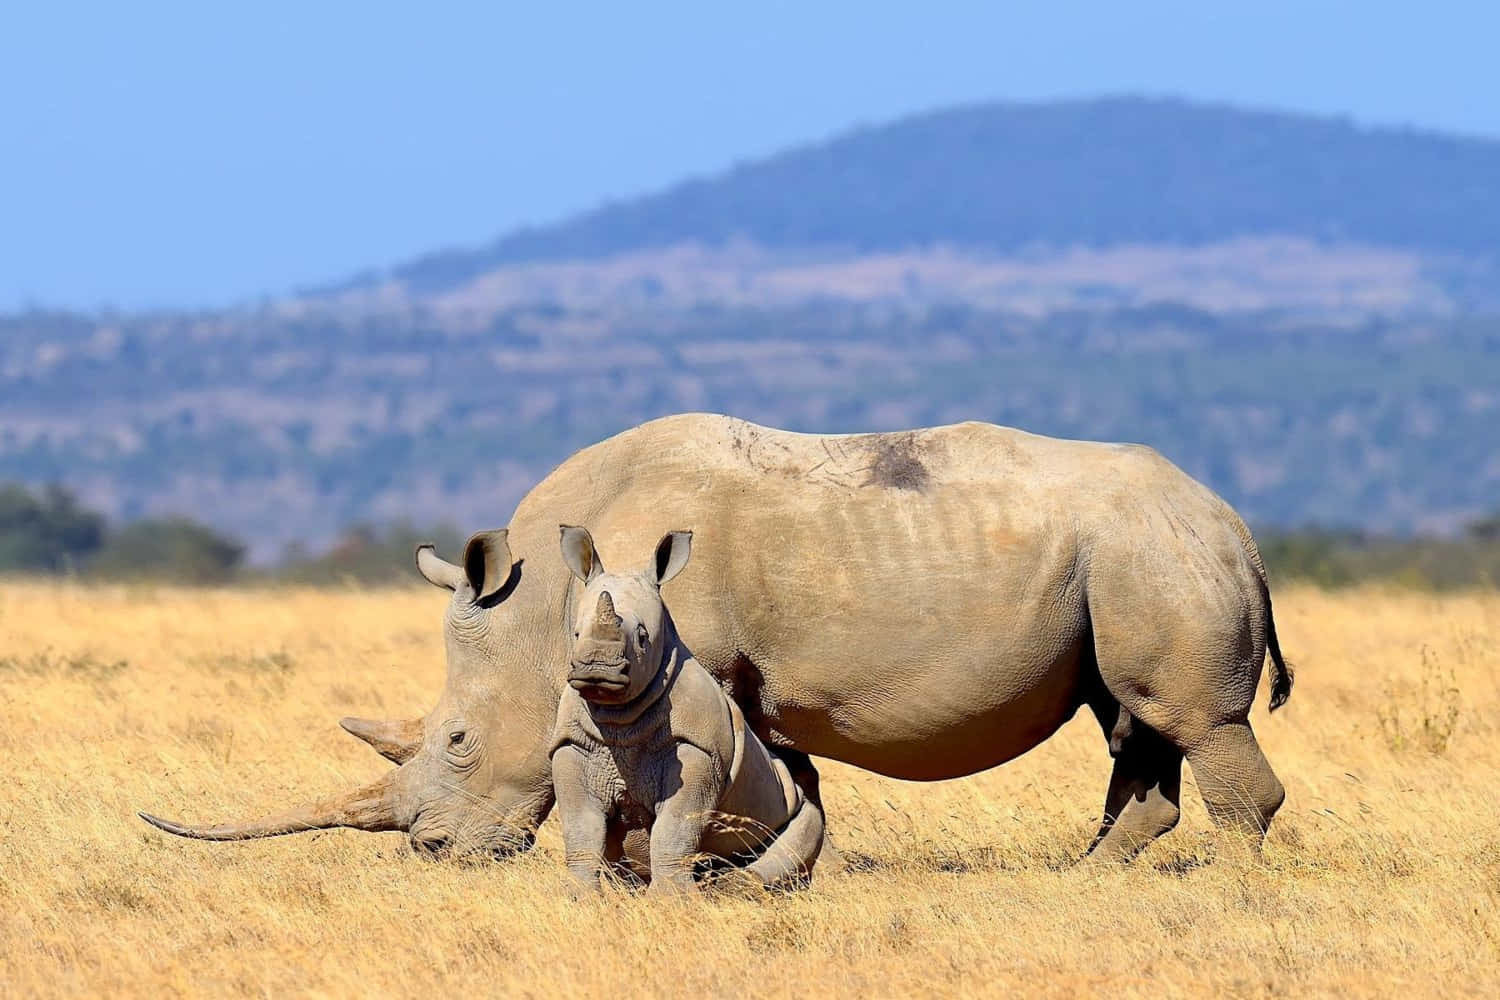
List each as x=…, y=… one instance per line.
x=647, y=739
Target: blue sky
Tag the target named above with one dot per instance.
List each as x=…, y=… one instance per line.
x=159, y=154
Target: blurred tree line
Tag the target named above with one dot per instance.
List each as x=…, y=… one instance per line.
x=1332, y=558
x=368, y=554
x=49, y=532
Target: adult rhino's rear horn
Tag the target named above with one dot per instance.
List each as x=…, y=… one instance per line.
x=371, y=808
x=397, y=740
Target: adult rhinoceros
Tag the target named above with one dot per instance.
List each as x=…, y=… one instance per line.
x=924, y=604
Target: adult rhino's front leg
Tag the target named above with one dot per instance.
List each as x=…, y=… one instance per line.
x=628, y=853
x=1145, y=788
x=693, y=786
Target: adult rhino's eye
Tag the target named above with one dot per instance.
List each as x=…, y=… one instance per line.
x=456, y=738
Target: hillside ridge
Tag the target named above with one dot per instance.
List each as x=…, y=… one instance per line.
x=1005, y=177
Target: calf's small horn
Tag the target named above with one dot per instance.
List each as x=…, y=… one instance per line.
x=605, y=619
x=371, y=808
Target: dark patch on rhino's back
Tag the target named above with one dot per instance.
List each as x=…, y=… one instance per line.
x=896, y=462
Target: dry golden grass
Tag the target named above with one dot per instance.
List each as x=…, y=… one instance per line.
x=1381, y=875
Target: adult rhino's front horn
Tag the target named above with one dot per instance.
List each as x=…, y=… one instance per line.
x=371, y=808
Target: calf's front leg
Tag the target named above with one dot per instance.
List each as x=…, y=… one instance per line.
x=584, y=821
x=692, y=787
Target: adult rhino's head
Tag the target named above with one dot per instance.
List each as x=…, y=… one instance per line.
x=472, y=777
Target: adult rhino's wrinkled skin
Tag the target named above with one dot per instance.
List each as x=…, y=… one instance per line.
x=924, y=604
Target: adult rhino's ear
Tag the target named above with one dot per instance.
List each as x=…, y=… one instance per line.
x=672, y=554
x=487, y=563
x=579, y=554
x=437, y=571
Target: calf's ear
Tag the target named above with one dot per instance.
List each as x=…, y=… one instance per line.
x=487, y=562
x=672, y=554
x=436, y=570
x=579, y=554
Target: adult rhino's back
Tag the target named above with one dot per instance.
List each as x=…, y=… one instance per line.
x=915, y=461
x=911, y=602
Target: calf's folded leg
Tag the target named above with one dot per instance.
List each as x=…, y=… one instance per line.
x=693, y=787
x=788, y=860
x=805, y=776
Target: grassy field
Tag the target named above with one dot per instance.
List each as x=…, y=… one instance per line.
x=1381, y=875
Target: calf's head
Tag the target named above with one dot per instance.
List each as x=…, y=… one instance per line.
x=620, y=628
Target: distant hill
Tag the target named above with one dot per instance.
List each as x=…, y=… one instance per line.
x=1303, y=313
x=1007, y=177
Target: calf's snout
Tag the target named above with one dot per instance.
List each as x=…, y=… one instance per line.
x=599, y=679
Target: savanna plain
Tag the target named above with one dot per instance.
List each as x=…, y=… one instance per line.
x=1380, y=876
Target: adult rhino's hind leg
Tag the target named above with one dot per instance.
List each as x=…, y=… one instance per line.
x=1145, y=788
x=1238, y=786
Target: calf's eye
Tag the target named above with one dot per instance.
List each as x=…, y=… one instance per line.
x=641, y=636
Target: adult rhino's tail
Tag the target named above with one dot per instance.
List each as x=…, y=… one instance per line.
x=1282, y=674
